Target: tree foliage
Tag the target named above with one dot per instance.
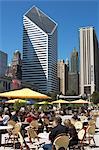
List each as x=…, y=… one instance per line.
x=95, y=97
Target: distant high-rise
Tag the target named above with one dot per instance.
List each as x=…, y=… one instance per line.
x=15, y=69
x=62, y=76
x=39, y=50
x=73, y=83
x=89, y=61
x=3, y=63
x=74, y=61
x=73, y=76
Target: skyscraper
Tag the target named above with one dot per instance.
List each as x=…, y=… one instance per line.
x=39, y=50
x=15, y=69
x=62, y=73
x=73, y=76
x=89, y=61
x=3, y=63
x=74, y=61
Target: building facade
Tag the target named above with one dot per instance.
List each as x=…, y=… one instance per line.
x=73, y=76
x=62, y=74
x=3, y=63
x=74, y=61
x=39, y=65
x=5, y=84
x=15, y=69
x=73, y=83
x=89, y=61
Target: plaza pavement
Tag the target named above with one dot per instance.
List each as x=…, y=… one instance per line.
x=96, y=137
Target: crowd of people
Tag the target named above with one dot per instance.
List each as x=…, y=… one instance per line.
x=27, y=114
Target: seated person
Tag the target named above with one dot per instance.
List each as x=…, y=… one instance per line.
x=14, y=116
x=72, y=132
x=6, y=118
x=1, y=119
x=57, y=130
x=29, y=118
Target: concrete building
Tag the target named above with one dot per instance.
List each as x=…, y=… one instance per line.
x=89, y=61
x=62, y=76
x=5, y=84
x=15, y=69
x=3, y=62
x=74, y=61
x=40, y=50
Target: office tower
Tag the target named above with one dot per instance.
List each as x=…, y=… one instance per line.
x=89, y=61
x=15, y=69
x=17, y=65
x=62, y=73
x=74, y=61
x=73, y=83
x=39, y=50
x=73, y=76
x=3, y=63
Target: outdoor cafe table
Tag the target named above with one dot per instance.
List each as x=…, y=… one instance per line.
x=2, y=128
x=44, y=137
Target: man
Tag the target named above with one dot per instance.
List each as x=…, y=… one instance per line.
x=56, y=131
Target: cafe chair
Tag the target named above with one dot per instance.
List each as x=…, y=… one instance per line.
x=34, y=124
x=34, y=140
x=78, y=125
x=11, y=122
x=81, y=137
x=91, y=133
x=92, y=122
x=61, y=142
x=14, y=135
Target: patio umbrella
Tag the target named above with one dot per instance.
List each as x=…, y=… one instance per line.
x=43, y=103
x=24, y=93
x=12, y=101
x=80, y=101
x=60, y=101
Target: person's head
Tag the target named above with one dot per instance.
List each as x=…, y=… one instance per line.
x=75, y=117
x=67, y=122
x=57, y=121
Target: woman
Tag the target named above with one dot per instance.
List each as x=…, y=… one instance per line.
x=72, y=132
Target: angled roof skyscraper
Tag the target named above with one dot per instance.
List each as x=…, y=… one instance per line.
x=39, y=50
x=41, y=19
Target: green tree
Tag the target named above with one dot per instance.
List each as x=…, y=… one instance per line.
x=95, y=97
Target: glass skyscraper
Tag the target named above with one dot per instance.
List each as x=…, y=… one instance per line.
x=39, y=50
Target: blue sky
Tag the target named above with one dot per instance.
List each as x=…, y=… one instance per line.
x=70, y=16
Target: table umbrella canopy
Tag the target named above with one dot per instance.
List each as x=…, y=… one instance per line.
x=24, y=93
x=43, y=103
x=12, y=101
x=80, y=101
x=60, y=101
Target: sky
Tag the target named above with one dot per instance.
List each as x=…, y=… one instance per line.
x=70, y=15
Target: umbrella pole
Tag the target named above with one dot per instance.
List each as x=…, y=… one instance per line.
x=59, y=105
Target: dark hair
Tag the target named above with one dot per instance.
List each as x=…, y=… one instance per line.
x=58, y=120
x=61, y=148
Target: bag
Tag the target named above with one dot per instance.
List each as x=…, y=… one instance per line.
x=17, y=145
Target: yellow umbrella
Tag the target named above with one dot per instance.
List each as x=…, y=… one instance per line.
x=24, y=93
x=60, y=101
x=12, y=101
x=80, y=101
x=43, y=103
